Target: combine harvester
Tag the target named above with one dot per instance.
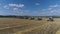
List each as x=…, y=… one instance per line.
x=50, y=19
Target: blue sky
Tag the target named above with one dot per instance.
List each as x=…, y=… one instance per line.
x=30, y=7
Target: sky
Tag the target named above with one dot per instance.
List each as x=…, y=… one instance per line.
x=30, y=7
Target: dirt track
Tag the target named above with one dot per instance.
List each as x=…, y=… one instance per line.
x=22, y=26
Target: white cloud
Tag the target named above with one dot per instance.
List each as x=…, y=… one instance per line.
x=20, y=5
x=20, y=11
x=0, y=4
x=6, y=7
x=37, y=3
x=17, y=5
x=43, y=9
x=51, y=10
x=52, y=7
x=15, y=8
x=56, y=5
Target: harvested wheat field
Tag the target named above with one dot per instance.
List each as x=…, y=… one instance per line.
x=26, y=26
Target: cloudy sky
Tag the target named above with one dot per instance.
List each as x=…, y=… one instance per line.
x=30, y=7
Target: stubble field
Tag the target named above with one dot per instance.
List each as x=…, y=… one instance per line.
x=26, y=26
